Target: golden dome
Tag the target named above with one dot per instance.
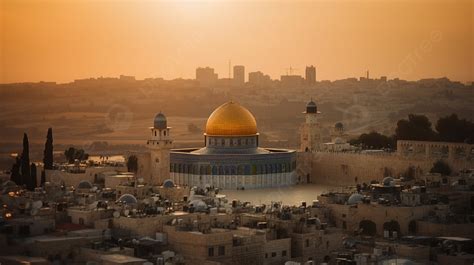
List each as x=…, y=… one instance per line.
x=231, y=119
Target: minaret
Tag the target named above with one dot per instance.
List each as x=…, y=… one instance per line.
x=311, y=129
x=160, y=145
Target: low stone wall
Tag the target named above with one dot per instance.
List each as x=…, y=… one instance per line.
x=338, y=168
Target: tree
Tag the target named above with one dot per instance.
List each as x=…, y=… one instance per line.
x=373, y=140
x=15, y=172
x=48, y=150
x=417, y=127
x=32, y=182
x=25, y=162
x=132, y=164
x=409, y=173
x=69, y=154
x=453, y=129
x=72, y=154
x=43, y=177
x=441, y=167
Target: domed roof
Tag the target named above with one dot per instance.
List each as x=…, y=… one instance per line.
x=168, y=183
x=339, y=125
x=311, y=107
x=387, y=181
x=231, y=119
x=355, y=198
x=84, y=184
x=160, y=121
x=128, y=199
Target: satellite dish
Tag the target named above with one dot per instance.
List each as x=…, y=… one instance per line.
x=134, y=211
x=126, y=212
x=27, y=205
x=140, y=180
x=116, y=214
x=94, y=188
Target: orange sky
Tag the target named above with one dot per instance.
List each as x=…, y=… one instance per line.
x=69, y=39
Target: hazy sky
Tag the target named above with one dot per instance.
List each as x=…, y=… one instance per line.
x=70, y=39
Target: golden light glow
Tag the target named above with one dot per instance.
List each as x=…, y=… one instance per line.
x=231, y=119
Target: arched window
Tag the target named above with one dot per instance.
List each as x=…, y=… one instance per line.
x=164, y=133
x=155, y=133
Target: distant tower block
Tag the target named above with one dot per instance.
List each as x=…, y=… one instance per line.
x=239, y=74
x=159, y=145
x=310, y=76
x=311, y=129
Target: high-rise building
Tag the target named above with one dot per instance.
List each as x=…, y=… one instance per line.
x=206, y=76
x=239, y=74
x=310, y=75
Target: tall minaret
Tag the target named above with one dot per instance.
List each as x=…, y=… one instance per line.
x=159, y=145
x=311, y=129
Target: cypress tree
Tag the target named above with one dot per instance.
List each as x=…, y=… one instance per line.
x=33, y=182
x=43, y=177
x=48, y=150
x=15, y=172
x=25, y=162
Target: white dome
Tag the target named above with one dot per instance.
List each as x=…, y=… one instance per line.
x=198, y=205
x=387, y=181
x=168, y=183
x=128, y=199
x=84, y=184
x=355, y=198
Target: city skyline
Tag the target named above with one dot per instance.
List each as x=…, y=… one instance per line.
x=169, y=40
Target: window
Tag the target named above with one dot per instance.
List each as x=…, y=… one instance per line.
x=210, y=251
x=274, y=254
x=283, y=253
x=307, y=242
x=266, y=255
x=155, y=133
x=221, y=250
x=164, y=133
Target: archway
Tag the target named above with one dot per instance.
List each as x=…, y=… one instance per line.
x=368, y=228
x=391, y=227
x=412, y=227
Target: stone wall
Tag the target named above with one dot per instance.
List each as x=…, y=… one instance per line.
x=339, y=168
